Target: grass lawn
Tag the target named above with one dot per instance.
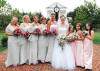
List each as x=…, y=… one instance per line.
x=1, y=36
x=96, y=40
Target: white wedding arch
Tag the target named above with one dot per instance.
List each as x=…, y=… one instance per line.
x=57, y=8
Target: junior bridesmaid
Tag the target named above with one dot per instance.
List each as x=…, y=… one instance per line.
x=79, y=46
x=72, y=43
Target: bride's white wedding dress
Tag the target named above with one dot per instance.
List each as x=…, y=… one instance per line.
x=62, y=59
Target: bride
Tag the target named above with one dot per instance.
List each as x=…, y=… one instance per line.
x=63, y=59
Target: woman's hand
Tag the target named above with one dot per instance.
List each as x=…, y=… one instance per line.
x=81, y=36
x=91, y=37
x=9, y=34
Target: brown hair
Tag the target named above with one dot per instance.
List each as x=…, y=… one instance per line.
x=36, y=16
x=52, y=13
x=62, y=16
x=79, y=25
x=91, y=27
x=43, y=18
x=70, y=28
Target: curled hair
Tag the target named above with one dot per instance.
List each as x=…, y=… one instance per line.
x=62, y=16
x=24, y=18
x=53, y=13
x=43, y=18
x=14, y=18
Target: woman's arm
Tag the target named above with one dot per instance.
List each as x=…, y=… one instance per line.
x=67, y=33
x=9, y=34
x=48, y=25
x=7, y=31
x=91, y=37
x=81, y=36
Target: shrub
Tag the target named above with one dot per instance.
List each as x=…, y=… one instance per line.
x=4, y=41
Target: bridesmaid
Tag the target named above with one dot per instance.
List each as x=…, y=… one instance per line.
x=24, y=56
x=52, y=24
x=88, y=47
x=79, y=46
x=43, y=41
x=33, y=59
x=72, y=43
x=13, y=48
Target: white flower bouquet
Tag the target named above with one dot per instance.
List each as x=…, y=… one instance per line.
x=72, y=37
x=61, y=40
x=84, y=33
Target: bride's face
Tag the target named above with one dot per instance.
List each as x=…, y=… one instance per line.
x=62, y=19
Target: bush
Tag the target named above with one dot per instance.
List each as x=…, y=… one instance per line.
x=4, y=41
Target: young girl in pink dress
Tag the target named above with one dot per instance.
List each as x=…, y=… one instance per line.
x=88, y=47
x=79, y=46
x=72, y=43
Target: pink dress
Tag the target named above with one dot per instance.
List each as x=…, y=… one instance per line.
x=73, y=45
x=79, y=53
x=88, y=53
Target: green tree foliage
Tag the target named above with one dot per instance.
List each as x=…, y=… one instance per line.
x=2, y=3
x=86, y=13
x=5, y=14
x=39, y=14
x=18, y=14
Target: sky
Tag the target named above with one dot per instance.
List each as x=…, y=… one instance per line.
x=40, y=5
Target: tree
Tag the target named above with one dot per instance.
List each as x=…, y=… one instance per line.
x=31, y=15
x=81, y=15
x=86, y=13
x=18, y=14
x=6, y=9
x=2, y=3
x=39, y=15
x=5, y=14
x=72, y=14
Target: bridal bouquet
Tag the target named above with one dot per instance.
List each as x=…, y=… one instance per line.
x=54, y=32
x=37, y=31
x=27, y=35
x=17, y=32
x=84, y=33
x=61, y=40
x=46, y=32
